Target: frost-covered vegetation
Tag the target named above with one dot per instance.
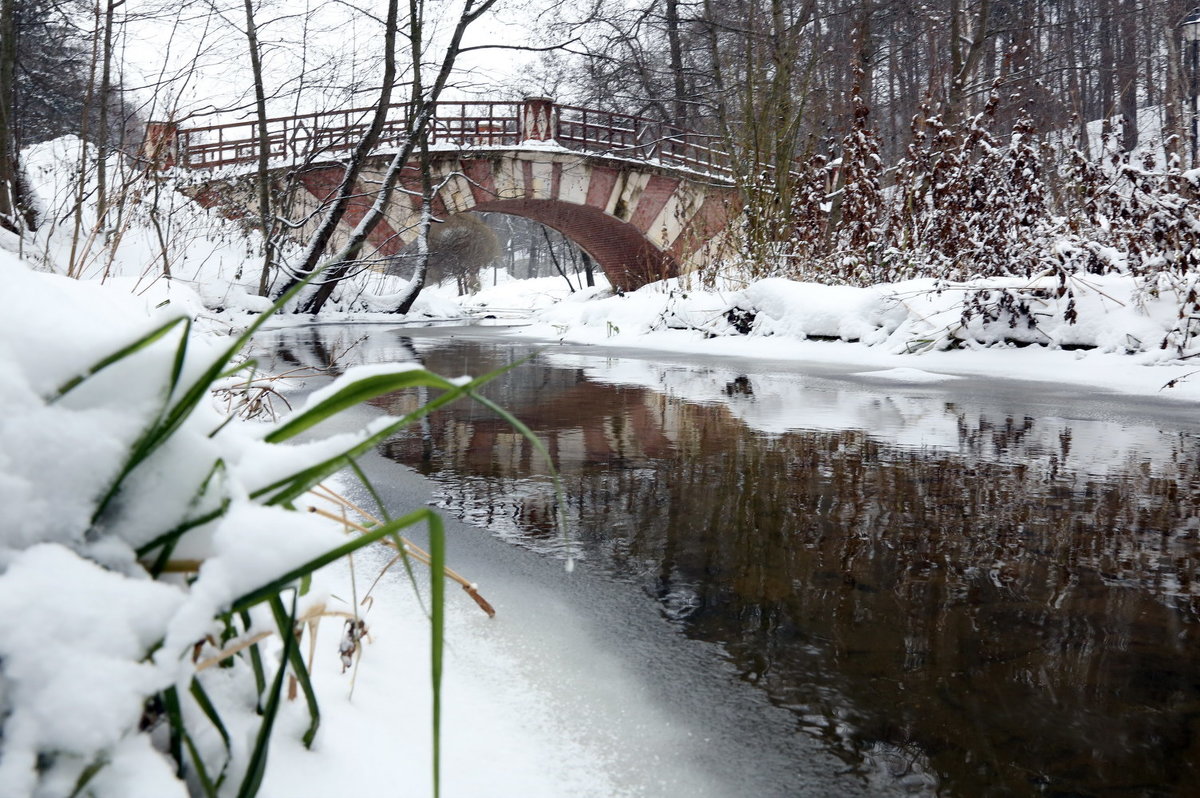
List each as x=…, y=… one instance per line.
x=1014, y=234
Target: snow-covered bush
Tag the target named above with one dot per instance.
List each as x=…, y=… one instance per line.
x=146, y=536
x=971, y=203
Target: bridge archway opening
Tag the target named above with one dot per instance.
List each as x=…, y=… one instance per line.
x=530, y=249
x=619, y=249
x=469, y=249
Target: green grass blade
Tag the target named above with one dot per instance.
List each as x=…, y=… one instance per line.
x=153, y=436
x=300, y=671
x=258, y=756
x=203, y=384
x=175, y=720
x=260, y=594
x=293, y=486
x=401, y=551
x=260, y=676
x=168, y=539
x=248, y=363
x=296, y=484
x=174, y=415
x=89, y=773
x=122, y=353
x=356, y=393
x=209, y=710
x=370, y=487
x=437, y=624
x=206, y=783
x=180, y=359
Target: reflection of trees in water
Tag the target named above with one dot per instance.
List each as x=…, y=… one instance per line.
x=1022, y=622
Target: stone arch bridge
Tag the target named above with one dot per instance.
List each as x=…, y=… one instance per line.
x=644, y=200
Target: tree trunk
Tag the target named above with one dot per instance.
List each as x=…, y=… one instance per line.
x=554, y=259
x=1106, y=73
x=588, y=268
x=1076, y=84
x=963, y=64
x=346, y=189
x=105, y=98
x=9, y=168
x=1174, y=136
x=266, y=223
x=679, y=84
x=413, y=290
x=1127, y=74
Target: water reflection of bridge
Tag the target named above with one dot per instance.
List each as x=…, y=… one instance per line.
x=976, y=615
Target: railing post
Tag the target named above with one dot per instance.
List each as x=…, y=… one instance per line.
x=161, y=145
x=539, y=119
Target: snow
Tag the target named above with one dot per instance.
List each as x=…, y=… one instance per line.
x=799, y=310
x=902, y=374
x=525, y=295
x=910, y=326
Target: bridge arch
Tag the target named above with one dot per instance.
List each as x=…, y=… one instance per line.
x=621, y=251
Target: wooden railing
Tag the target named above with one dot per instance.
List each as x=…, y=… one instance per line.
x=462, y=125
x=639, y=137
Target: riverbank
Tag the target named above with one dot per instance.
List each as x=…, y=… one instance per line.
x=911, y=333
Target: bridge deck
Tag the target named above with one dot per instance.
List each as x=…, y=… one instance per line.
x=465, y=125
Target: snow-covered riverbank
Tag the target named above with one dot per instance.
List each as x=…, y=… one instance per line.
x=912, y=332
x=89, y=639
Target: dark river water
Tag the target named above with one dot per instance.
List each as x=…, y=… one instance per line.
x=966, y=589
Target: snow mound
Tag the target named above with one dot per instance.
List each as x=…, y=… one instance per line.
x=910, y=375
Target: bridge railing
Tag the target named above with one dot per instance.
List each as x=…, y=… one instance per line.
x=639, y=137
x=461, y=124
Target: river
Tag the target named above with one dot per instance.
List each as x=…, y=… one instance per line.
x=975, y=587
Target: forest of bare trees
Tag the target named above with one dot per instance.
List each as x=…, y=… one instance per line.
x=777, y=75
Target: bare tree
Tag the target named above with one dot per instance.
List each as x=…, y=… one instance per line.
x=420, y=109
x=10, y=180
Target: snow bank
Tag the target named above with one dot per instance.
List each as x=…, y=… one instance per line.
x=1008, y=327
x=800, y=310
x=88, y=637
x=510, y=294
x=1111, y=313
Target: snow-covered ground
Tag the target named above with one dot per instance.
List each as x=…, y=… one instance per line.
x=539, y=708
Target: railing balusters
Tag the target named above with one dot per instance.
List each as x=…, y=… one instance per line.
x=461, y=123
